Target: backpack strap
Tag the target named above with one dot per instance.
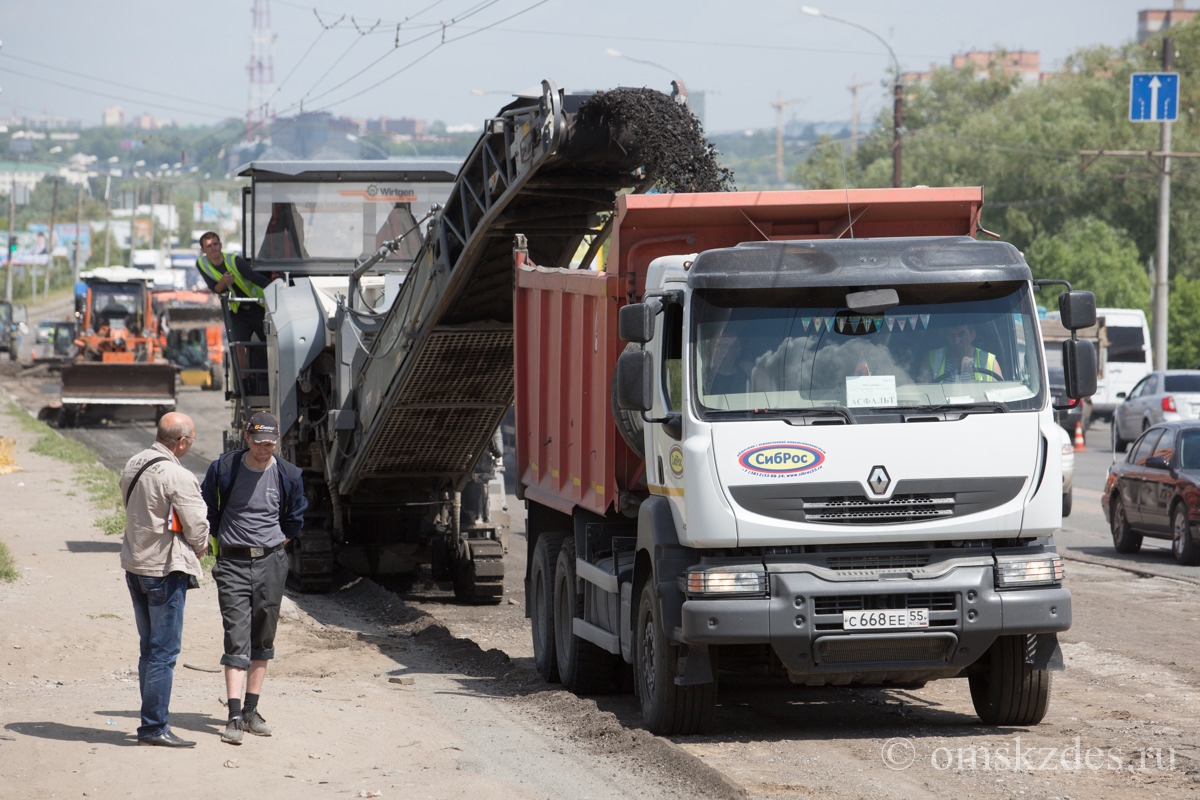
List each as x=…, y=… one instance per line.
x=133, y=482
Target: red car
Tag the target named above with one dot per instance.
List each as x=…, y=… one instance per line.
x=1154, y=491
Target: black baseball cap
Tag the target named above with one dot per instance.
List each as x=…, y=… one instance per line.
x=263, y=427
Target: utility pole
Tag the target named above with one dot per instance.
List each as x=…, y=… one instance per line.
x=50, y=239
x=78, y=233
x=107, y=217
x=133, y=223
x=12, y=213
x=1164, y=227
x=779, y=105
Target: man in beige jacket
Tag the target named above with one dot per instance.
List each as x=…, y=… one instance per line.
x=166, y=532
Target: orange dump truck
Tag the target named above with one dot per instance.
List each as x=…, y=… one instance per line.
x=749, y=442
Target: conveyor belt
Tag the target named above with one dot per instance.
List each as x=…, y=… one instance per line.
x=441, y=372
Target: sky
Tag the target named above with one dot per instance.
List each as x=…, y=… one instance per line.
x=458, y=61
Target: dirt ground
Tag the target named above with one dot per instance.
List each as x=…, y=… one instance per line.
x=375, y=693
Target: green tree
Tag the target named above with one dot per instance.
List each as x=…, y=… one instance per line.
x=1183, y=332
x=1093, y=256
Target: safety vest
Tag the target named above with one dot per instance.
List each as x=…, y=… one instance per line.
x=983, y=361
x=245, y=287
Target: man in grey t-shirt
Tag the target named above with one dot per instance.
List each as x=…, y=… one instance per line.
x=256, y=504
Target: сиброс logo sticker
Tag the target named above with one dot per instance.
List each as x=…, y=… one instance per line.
x=781, y=459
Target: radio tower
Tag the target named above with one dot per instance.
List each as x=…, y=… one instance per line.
x=262, y=72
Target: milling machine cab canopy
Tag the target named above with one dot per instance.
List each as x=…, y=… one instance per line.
x=322, y=217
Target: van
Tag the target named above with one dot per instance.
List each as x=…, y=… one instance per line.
x=1126, y=359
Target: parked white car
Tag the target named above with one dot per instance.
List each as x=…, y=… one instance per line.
x=1068, y=470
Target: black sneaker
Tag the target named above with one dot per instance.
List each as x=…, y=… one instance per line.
x=233, y=731
x=255, y=724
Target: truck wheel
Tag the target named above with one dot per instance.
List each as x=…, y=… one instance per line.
x=311, y=559
x=479, y=572
x=541, y=604
x=68, y=417
x=1182, y=544
x=666, y=707
x=216, y=379
x=583, y=667
x=1004, y=690
x=1124, y=539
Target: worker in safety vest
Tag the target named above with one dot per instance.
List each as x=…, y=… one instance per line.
x=229, y=274
x=961, y=361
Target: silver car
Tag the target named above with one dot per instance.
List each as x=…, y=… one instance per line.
x=1161, y=396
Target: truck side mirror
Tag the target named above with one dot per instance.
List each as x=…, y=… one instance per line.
x=1079, y=367
x=635, y=380
x=1077, y=309
x=635, y=322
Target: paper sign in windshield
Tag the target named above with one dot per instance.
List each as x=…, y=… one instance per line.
x=865, y=391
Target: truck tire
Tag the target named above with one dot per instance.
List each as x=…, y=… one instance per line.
x=541, y=604
x=1067, y=500
x=1124, y=539
x=1004, y=690
x=667, y=709
x=583, y=667
x=216, y=379
x=479, y=572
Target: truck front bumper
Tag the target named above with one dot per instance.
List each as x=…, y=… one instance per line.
x=802, y=621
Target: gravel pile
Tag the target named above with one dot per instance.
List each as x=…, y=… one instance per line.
x=663, y=135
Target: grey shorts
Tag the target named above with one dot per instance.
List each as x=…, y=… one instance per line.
x=249, y=591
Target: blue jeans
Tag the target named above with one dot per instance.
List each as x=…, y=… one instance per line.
x=158, y=610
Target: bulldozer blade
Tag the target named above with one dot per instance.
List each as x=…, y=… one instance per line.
x=136, y=384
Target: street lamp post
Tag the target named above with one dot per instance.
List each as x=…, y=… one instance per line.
x=897, y=89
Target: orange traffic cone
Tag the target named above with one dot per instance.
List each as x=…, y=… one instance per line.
x=1079, y=447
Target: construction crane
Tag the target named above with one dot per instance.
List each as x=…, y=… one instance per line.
x=779, y=105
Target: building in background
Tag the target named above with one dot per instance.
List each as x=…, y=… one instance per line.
x=1155, y=21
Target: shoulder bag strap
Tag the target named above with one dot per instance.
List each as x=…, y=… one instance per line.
x=133, y=482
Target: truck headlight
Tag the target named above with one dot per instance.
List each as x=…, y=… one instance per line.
x=1044, y=569
x=725, y=581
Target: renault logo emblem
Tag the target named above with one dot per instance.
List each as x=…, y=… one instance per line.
x=879, y=480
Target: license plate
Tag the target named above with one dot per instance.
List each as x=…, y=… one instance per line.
x=884, y=619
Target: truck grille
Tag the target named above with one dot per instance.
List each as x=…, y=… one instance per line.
x=875, y=563
x=847, y=502
x=906, y=649
x=906, y=508
x=836, y=604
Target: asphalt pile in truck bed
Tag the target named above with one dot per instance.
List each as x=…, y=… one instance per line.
x=664, y=136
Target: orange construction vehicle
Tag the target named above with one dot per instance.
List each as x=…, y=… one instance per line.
x=119, y=361
x=192, y=336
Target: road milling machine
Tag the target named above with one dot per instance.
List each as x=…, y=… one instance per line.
x=390, y=329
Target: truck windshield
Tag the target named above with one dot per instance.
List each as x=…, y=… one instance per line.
x=307, y=222
x=944, y=346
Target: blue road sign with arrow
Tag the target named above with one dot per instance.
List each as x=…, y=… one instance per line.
x=1153, y=96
